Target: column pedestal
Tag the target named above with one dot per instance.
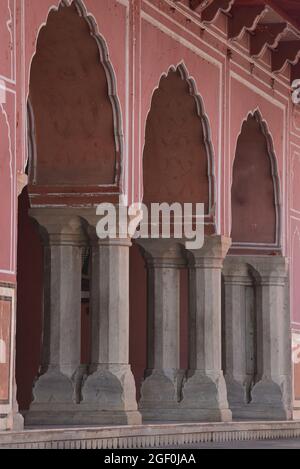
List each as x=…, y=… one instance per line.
x=204, y=392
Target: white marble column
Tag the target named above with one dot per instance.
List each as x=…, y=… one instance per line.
x=271, y=396
x=57, y=390
x=161, y=388
x=237, y=283
x=109, y=394
x=204, y=393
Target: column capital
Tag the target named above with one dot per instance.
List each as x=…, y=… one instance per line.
x=236, y=271
x=108, y=242
x=269, y=270
x=212, y=254
x=60, y=226
x=166, y=253
x=123, y=223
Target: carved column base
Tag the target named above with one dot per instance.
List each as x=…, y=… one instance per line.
x=205, y=397
x=160, y=394
x=56, y=396
x=237, y=391
x=270, y=400
x=108, y=397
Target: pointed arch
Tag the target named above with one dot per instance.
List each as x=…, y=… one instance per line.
x=186, y=87
x=260, y=145
x=110, y=77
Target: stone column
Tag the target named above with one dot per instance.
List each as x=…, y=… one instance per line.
x=271, y=396
x=161, y=388
x=238, y=380
x=109, y=394
x=204, y=392
x=57, y=390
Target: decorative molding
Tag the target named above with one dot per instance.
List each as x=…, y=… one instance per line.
x=267, y=35
x=287, y=52
x=244, y=18
x=210, y=10
x=200, y=5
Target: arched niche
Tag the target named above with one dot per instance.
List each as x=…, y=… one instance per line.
x=74, y=119
x=178, y=154
x=255, y=192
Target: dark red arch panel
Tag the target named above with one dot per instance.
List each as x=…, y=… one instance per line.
x=253, y=191
x=175, y=155
x=73, y=114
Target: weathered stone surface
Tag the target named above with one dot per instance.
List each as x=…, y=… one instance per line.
x=161, y=387
x=236, y=282
x=204, y=390
x=108, y=393
x=61, y=372
x=270, y=390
